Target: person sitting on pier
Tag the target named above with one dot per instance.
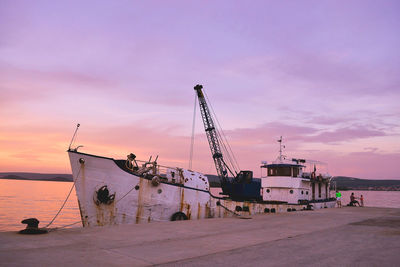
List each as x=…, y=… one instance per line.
x=353, y=200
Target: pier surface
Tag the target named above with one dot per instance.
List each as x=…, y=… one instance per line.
x=349, y=236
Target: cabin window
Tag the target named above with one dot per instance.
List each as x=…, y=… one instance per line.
x=280, y=171
x=291, y=191
x=173, y=174
x=268, y=191
x=295, y=172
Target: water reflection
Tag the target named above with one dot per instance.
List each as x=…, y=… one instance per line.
x=21, y=199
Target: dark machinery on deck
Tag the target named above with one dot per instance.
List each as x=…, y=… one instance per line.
x=242, y=186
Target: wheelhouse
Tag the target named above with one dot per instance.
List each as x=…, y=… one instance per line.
x=289, y=170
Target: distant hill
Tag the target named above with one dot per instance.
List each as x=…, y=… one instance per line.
x=36, y=176
x=342, y=183
x=349, y=183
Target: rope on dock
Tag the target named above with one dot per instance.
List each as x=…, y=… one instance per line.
x=64, y=226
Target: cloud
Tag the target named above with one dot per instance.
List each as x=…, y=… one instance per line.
x=21, y=84
x=326, y=120
x=345, y=134
x=268, y=132
x=371, y=149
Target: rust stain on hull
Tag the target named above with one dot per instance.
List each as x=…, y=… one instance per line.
x=198, y=211
x=139, y=201
x=188, y=211
x=182, y=199
x=84, y=222
x=105, y=214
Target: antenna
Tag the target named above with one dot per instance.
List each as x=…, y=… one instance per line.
x=280, y=148
x=73, y=137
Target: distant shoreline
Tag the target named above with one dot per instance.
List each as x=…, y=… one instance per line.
x=45, y=180
x=56, y=177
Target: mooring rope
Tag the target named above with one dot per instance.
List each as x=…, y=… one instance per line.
x=65, y=201
x=126, y=193
x=231, y=211
x=234, y=213
x=64, y=226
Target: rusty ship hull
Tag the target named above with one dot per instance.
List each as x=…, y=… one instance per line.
x=109, y=194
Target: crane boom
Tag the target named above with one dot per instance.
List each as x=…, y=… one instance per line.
x=242, y=186
x=212, y=136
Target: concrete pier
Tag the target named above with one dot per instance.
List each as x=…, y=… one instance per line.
x=349, y=236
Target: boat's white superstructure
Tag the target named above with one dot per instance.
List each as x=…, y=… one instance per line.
x=288, y=181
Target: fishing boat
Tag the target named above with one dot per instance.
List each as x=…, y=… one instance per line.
x=297, y=181
x=126, y=191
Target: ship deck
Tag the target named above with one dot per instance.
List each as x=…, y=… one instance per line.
x=332, y=237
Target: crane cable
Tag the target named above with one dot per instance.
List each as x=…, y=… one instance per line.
x=193, y=128
x=230, y=155
x=223, y=137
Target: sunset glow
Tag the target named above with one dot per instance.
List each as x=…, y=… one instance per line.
x=325, y=75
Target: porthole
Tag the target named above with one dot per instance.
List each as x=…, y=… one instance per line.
x=268, y=190
x=159, y=191
x=306, y=192
x=302, y=192
x=137, y=187
x=291, y=191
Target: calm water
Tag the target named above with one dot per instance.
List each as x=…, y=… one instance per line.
x=21, y=199
x=385, y=199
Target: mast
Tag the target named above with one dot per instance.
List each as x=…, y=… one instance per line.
x=280, y=149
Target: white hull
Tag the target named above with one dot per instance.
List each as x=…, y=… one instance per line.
x=138, y=200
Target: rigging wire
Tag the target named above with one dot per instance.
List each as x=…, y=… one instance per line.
x=225, y=144
x=73, y=137
x=228, y=155
x=193, y=128
x=223, y=137
x=224, y=141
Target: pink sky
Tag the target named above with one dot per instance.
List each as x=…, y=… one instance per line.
x=323, y=74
